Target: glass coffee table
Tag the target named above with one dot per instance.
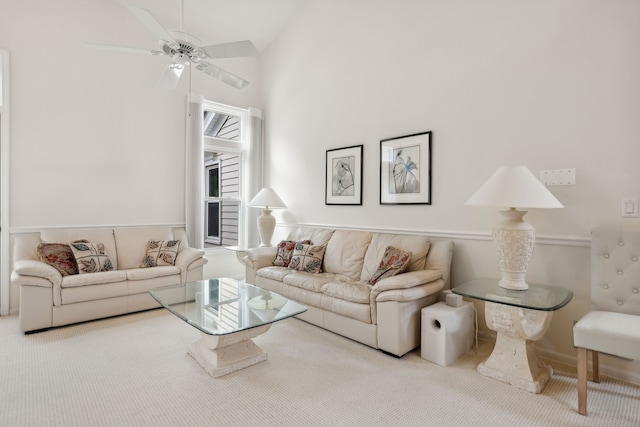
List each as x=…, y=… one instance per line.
x=228, y=313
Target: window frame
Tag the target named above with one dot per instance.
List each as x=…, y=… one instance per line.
x=211, y=144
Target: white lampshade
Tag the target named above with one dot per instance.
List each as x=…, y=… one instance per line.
x=267, y=198
x=514, y=187
x=514, y=239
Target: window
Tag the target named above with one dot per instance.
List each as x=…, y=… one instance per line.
x=223, y=175
x=223, y=168
x=221, y=126
x=222, y=198
x=212, y=204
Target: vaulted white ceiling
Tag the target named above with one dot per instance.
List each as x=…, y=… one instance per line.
x=222, y=21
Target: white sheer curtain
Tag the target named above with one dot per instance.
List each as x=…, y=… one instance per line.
x=5, y=269
x=194, y=169
x=255, y=175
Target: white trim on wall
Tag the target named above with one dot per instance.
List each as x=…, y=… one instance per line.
x=26, y=230
x=457, y=235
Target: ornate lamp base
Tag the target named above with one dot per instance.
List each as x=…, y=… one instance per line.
x=514, y=240
x=266, y=225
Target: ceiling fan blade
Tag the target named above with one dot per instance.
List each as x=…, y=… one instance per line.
x=150, y=22
x=231, y=50
x=171, y=76
x=123, y=49
x=222, y=75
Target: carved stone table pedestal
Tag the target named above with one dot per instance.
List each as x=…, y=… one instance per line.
x=222, y=354
x=514, y=360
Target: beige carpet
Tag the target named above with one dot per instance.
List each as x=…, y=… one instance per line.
x=135, y=370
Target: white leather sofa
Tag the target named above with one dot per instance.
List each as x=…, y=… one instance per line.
x=48, y=298
x=385, y=315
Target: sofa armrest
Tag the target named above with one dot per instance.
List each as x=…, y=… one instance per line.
x=27, y=272
x=407, y=280
x=258, y=258
x=404, y=281
x=411, y=294
x=26, y=268
x=187, y=256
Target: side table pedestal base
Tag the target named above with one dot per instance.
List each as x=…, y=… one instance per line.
x=514, y=360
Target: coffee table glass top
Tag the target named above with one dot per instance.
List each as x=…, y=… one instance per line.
x=224, y=306
x=537, y=297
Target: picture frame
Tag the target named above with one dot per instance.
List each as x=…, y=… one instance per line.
x=343, y=183
x=405, y=170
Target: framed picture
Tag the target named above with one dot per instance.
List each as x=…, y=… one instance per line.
x=405, y=170
x=344, y=176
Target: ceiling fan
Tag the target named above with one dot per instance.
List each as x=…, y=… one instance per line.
x=185, y=49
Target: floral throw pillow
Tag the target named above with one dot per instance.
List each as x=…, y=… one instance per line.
x=307, y=258
x=393, y=262
x=285, y=251
x=161, y=252
x=59, y=256
x=90, y=257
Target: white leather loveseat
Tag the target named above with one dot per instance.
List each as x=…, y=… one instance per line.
x=384, y=315
x=50, y=298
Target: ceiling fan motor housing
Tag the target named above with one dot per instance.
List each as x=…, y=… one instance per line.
x=188, y=47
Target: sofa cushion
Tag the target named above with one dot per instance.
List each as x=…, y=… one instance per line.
x=285, y=252
x=309, y=281
x=345, y=253
x=416, y=244
x=67, y=235
x=98, y=291
x=393, y=262
x=274, y=273
x=351, y=291
x=134, y=274
x=94, y=278
x=131, y=243
x=59, y=256
x=319, y=236
x=307, y=258
x=90, y=257
x=161, y=253
x=346, y=308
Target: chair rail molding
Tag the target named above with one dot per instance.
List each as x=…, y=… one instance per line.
x=577, y=241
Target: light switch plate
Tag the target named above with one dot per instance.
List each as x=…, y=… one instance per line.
x=558, y=177
x=629, y=207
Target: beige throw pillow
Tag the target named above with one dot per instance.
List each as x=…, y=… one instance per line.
x=59, y=256
x=393, y=262
x=161, y=253
x=285, y=252
x=90, y=257
x=307, y=258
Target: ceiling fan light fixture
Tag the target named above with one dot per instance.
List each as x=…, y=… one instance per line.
x=184, y=49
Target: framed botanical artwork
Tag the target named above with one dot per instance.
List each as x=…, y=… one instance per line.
x=405, y=170
x=344, y=176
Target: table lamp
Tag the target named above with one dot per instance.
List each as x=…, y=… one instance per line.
x=514, y=239
x=266, y=199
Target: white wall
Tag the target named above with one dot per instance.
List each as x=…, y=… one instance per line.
x=93, y=142
x=549, y=84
